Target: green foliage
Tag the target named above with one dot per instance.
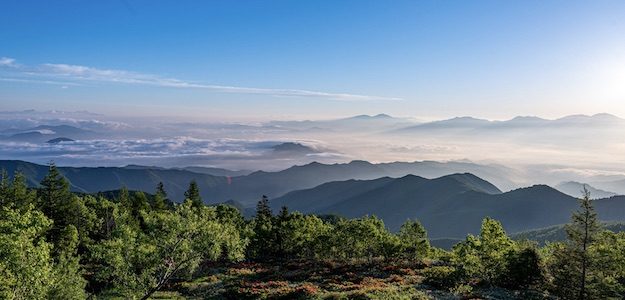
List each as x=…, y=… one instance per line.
x=140, y=262
x=525, y=268
x=124, y=197
x=263, y=242
x=442, y=277
x=15, y=193
x=193, y=194
x=60, y=245
x=26, y=266
x=69, y=282
x=575, y=272
x=27, y=269
x=609, y=254
x=299, y=234
x=138, y=203
x=358, y=238
x=160, y=198
x=414, y=240
x=484, y=257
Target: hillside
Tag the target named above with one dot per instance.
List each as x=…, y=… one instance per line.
x=43, y=133
x=275, y=184
x=247, y=189
x=449, y=206
x=573, y=188
x=558, y=233
x=93, y=180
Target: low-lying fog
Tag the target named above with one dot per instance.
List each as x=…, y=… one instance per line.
x=530, y=149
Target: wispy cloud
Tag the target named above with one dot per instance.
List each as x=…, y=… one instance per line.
x=72, y=74
x=7, y=62
x=64, y=84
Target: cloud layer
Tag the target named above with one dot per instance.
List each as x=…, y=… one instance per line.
x=170, y=152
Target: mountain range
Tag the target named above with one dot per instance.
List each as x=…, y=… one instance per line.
x=247, y=189
x=527, y=122
x=43, y=133
x=449, y=207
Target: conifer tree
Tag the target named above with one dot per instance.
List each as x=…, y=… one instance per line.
x=15, y=193
x=124, y=197
x=263, y=245
x=56, y=201
x=280, y=230
x=573, y=268
x=193, y=194
x=414, y=239
x=160, y=198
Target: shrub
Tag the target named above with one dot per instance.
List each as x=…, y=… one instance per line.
x=441, y=277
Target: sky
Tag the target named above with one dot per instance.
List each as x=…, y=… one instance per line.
x=268, y=60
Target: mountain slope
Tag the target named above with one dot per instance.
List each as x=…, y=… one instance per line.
x=247, y=189
x=93, y=180
x=449, y=207
x=574, y=189
x=558, y=233
x=43, y=133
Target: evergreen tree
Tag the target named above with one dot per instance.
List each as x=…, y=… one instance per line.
x=524, y=268
x=5, y=186
x=124, y=197
x=56, y=202
x=27, y=269
x=484, y=257
x=414, y=240
x=573, y=268
x=263, y=211
x=160, y=189
x=193, y=194
x=139, y=202
x=281, y=229
x=68, y=280
x=160, y=198
x=138, y=262
x=15, y=193
x=263, y=242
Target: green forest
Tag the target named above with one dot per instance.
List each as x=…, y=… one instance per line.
x=57, y=244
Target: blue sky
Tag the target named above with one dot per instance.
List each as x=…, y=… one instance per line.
x=314, y=59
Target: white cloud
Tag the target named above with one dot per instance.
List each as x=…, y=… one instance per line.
x=52, y=73
x=176, y=151
x=18, y=121
x=7, y=62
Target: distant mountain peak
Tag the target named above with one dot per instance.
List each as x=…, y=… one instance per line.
x=574, y=189
x=382, y=116
x=527, y=118
x=600, y=117
x=59, y=140
x=359, y=162
x=606, y=116
x=368, y=117
x=293, y=147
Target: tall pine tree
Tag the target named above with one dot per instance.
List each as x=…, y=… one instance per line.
x=56, y=202
x=160, y=198
x=573, y=269
x=193, y=194
x=263, y=245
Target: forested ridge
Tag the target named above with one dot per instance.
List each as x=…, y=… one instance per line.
x=56, y=244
